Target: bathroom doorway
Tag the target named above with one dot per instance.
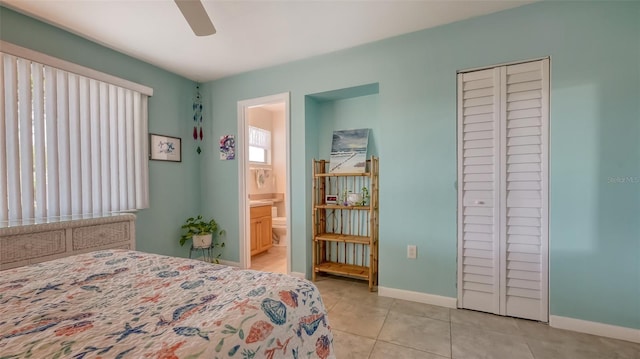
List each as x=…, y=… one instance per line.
x=263, y=141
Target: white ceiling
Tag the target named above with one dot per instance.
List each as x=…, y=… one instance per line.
x=250, y=34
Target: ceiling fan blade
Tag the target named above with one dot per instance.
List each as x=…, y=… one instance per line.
x=195, y=14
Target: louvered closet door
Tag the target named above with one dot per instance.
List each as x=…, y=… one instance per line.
x=514, y=280
x=524, y=190
x=479, y=169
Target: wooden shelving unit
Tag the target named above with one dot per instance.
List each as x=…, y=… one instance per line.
x=345, y=237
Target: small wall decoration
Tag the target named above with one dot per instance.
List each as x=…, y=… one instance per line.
x=197, y=118
x=165, y=148
x=263, y=177
x=227, y=147
x=349, y=151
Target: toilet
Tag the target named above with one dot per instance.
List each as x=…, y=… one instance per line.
x=279, y=227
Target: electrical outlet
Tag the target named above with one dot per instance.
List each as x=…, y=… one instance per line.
x=412, y=251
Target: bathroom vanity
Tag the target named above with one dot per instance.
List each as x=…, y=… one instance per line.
x=260, y=216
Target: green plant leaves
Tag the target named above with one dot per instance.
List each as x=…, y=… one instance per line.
x=198, y=226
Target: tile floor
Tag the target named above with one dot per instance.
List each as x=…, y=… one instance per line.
x=371, y=327
x=273, y=260
x=368, y=326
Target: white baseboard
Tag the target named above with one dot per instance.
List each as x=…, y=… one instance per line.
x=418, y=297
x=229, y=263
x=298, y=275
x=595, y=328
x=221, y=261
x=576, y=325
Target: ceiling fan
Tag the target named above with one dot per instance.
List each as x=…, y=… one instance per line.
x=195, y=14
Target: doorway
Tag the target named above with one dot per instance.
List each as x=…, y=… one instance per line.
x=264, y=185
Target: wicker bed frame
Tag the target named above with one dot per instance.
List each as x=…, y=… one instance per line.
x=32, y=242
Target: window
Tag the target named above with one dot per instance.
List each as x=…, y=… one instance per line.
x=75, y=140
x=259, y=145
x=257, y=154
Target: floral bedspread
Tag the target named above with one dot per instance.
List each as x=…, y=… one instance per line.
x=127, y=304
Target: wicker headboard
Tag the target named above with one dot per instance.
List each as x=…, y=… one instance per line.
x=28, y=243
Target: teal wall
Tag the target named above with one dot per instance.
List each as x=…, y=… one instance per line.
x=346, y=114
x=595, y=132
x=173, y=186
x=595, y=148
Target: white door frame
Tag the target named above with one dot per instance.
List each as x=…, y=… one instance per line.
x=244, y=223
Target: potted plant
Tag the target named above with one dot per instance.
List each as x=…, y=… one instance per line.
x=201, y=231
x=365, y=196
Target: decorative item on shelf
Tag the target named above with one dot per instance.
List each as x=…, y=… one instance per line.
x=344, y=199
x=197, y=118
x=365, y=196
x=354, y=199
x=203, y=234
x=331, y=199
x=350, y=198
x=349, y=151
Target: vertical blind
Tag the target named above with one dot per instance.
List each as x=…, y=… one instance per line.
x=259, y=137
x=259, y=145
x=69, y=144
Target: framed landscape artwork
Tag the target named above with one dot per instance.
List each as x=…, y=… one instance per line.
x=349, y=151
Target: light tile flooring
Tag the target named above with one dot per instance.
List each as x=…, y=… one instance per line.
x=272, y=260
x=368, y=326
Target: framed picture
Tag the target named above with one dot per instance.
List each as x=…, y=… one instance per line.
x=227, y=147
x=165, y=148
x=349, y=151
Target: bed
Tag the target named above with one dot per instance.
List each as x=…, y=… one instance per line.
x=129, y=304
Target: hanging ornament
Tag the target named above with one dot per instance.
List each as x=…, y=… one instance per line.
x=197, y=118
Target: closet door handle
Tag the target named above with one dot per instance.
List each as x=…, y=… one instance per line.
x=478, y=202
